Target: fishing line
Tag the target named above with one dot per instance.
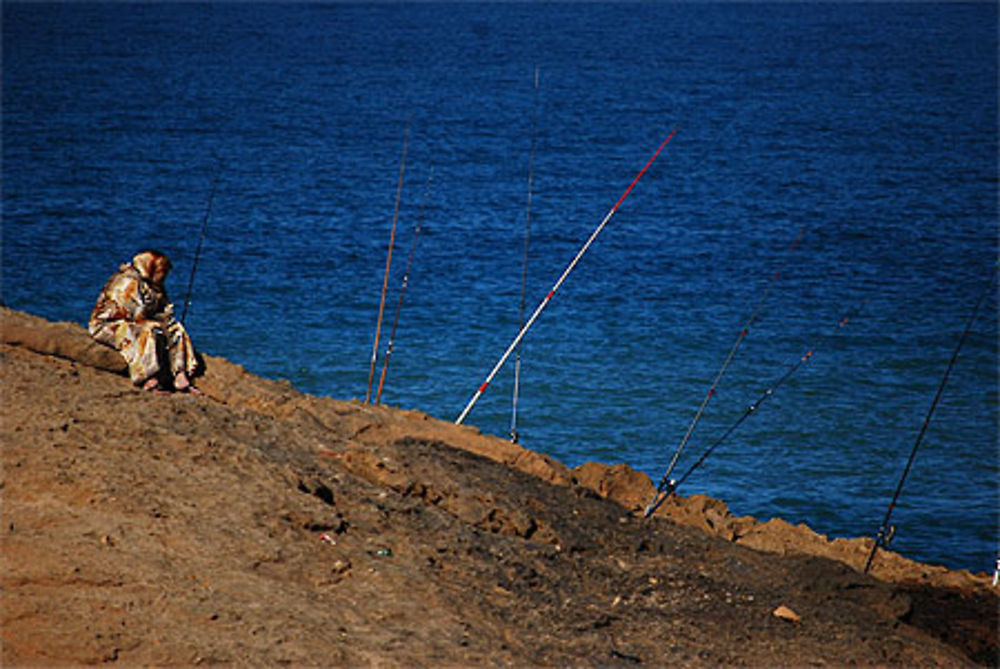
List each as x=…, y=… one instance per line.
x=662, y=494
x=524, y=264
x=555, y=287
x=740, y=110
x=664, y=482
x=885, y=531
x=388, y=264
x=402, y=289
x=201, y=239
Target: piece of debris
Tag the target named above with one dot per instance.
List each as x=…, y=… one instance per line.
x=786, y=613
x=618, y=655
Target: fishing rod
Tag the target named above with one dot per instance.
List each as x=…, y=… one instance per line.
x=402, y=290
x=885, y=531
x=666, y=489
x=388, y=264
x=548, y=297
x=524, y=264
x=664, y=482
x=201, y=239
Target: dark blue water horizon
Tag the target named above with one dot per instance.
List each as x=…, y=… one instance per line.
x=869, y=129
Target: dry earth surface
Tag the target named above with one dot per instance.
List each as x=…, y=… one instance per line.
x=258, y=525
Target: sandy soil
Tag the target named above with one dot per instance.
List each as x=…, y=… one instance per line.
x=256, y=524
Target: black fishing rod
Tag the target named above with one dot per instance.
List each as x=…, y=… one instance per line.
x=885, y=531
x=388, y=264
x=524, y=264
x=725, y=365
x=402, y=289
x=201, y=239
x=668, y=488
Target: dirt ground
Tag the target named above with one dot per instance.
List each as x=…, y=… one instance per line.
x=257, y=525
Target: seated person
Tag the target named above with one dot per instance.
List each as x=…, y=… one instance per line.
x=134, y=316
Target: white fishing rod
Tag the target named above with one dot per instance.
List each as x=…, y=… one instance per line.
x=558, y=284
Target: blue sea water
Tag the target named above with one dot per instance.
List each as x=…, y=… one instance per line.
x=871, y=129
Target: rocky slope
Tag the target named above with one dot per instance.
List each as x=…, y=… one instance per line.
x=256, y=524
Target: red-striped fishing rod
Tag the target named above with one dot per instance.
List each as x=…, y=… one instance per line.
x=548, y=297
x=524, y=264
x=388, y=264
x=885, y=531
x=664, y=482
x=402, y=289
x=201, y=239
x=666, y=490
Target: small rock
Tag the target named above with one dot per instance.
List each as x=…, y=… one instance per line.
x=786, y=613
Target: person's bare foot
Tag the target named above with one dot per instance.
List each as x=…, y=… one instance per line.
x=153, y=385
x=182, y=384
